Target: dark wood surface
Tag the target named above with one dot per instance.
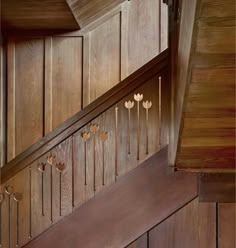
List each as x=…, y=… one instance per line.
x=215, y=187
x=104, y=102
x=109, y=217
x=41, y=15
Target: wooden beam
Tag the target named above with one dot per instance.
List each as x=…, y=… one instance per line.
x=125, y=210
x=217, y=187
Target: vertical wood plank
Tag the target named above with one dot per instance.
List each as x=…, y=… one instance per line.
x=192, y=226
x=144, y=33
x=141, y=242
x=104, y=58
x=64, y=79
x=227, y=226
x=25, y=94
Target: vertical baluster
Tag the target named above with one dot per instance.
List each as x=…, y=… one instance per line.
x=50, y=160
x=94, y=129
x=1, y=200
x=116, y=142
x=138, y=97
x=41, y=168
x=103, y=137
x=17, y=198
x=147, y=105
x=30, y=203
x=9, y=191
x=85, y=136
x=60, y=168
x=129, y=105
x=159, y=111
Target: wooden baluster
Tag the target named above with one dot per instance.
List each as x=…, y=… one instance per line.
x=116, y=142
x=41, y=168
x=147, y=105
x=138, y=97
x=1, y=200
x=17, y=198
x=30, y=203
x=50, y=160
x=94, y=129
x=103, y=137
x=159, y=112
x=60, y=168
x=85, y=136
x=9, y=191
x=129, y=105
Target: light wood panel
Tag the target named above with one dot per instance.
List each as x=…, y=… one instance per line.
x=103, y=66
x=209, y=109
x=25, y=94
x=147, y=31
x=87, y=11
x=63, y=86
x=227, y=225
x=41, y=15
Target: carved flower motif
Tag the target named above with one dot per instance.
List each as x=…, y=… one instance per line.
x=60, y=167
x=103, y=136
x=147, y=104
x=129, y=104
x=9, y=189
x=85, y=135
x=17, y=196
x=41, y=167
x=94, y=128
x=138, y=97
x=51, y=159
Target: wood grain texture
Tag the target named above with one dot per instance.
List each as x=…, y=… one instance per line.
x=89, y=113
x=30, y=15
x=86, y=11
x=217, y=187
x=140, y=242
x=227, y=226
x=63, y=86
x=118, y=201
x=25, y=94
x=144, y=36
x=104, y=59
x=209, y=108
x=193, y=225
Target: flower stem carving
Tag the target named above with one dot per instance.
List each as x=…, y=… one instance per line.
x=147, y=105
x=129, y=105
x=60, y=168
x=85, y=136
x=103, y=137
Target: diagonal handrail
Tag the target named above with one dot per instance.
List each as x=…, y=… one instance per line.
x=96, y=108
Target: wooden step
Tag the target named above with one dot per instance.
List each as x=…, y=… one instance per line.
x=124, y=211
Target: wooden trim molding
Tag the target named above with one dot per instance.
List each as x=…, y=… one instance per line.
x=157, y=65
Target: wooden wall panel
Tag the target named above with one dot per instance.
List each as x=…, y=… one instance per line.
x=140, y=242
x=25, y=94
x=103, y=67
x=143, y=32
x=192, y=226
x=227, y=225
x=63, y=87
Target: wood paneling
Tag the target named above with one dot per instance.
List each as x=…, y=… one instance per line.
x=208, y=121
x=141, y=242
x=118, y=220
x=25, y=94
x=146, y=30
x=227, y=225
x=63, y=86
x=87, y=11
x=103, y=59
x=219, y=187
x=49, y=14
x=192, y=226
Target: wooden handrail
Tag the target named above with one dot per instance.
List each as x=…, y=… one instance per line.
x=96, y=108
